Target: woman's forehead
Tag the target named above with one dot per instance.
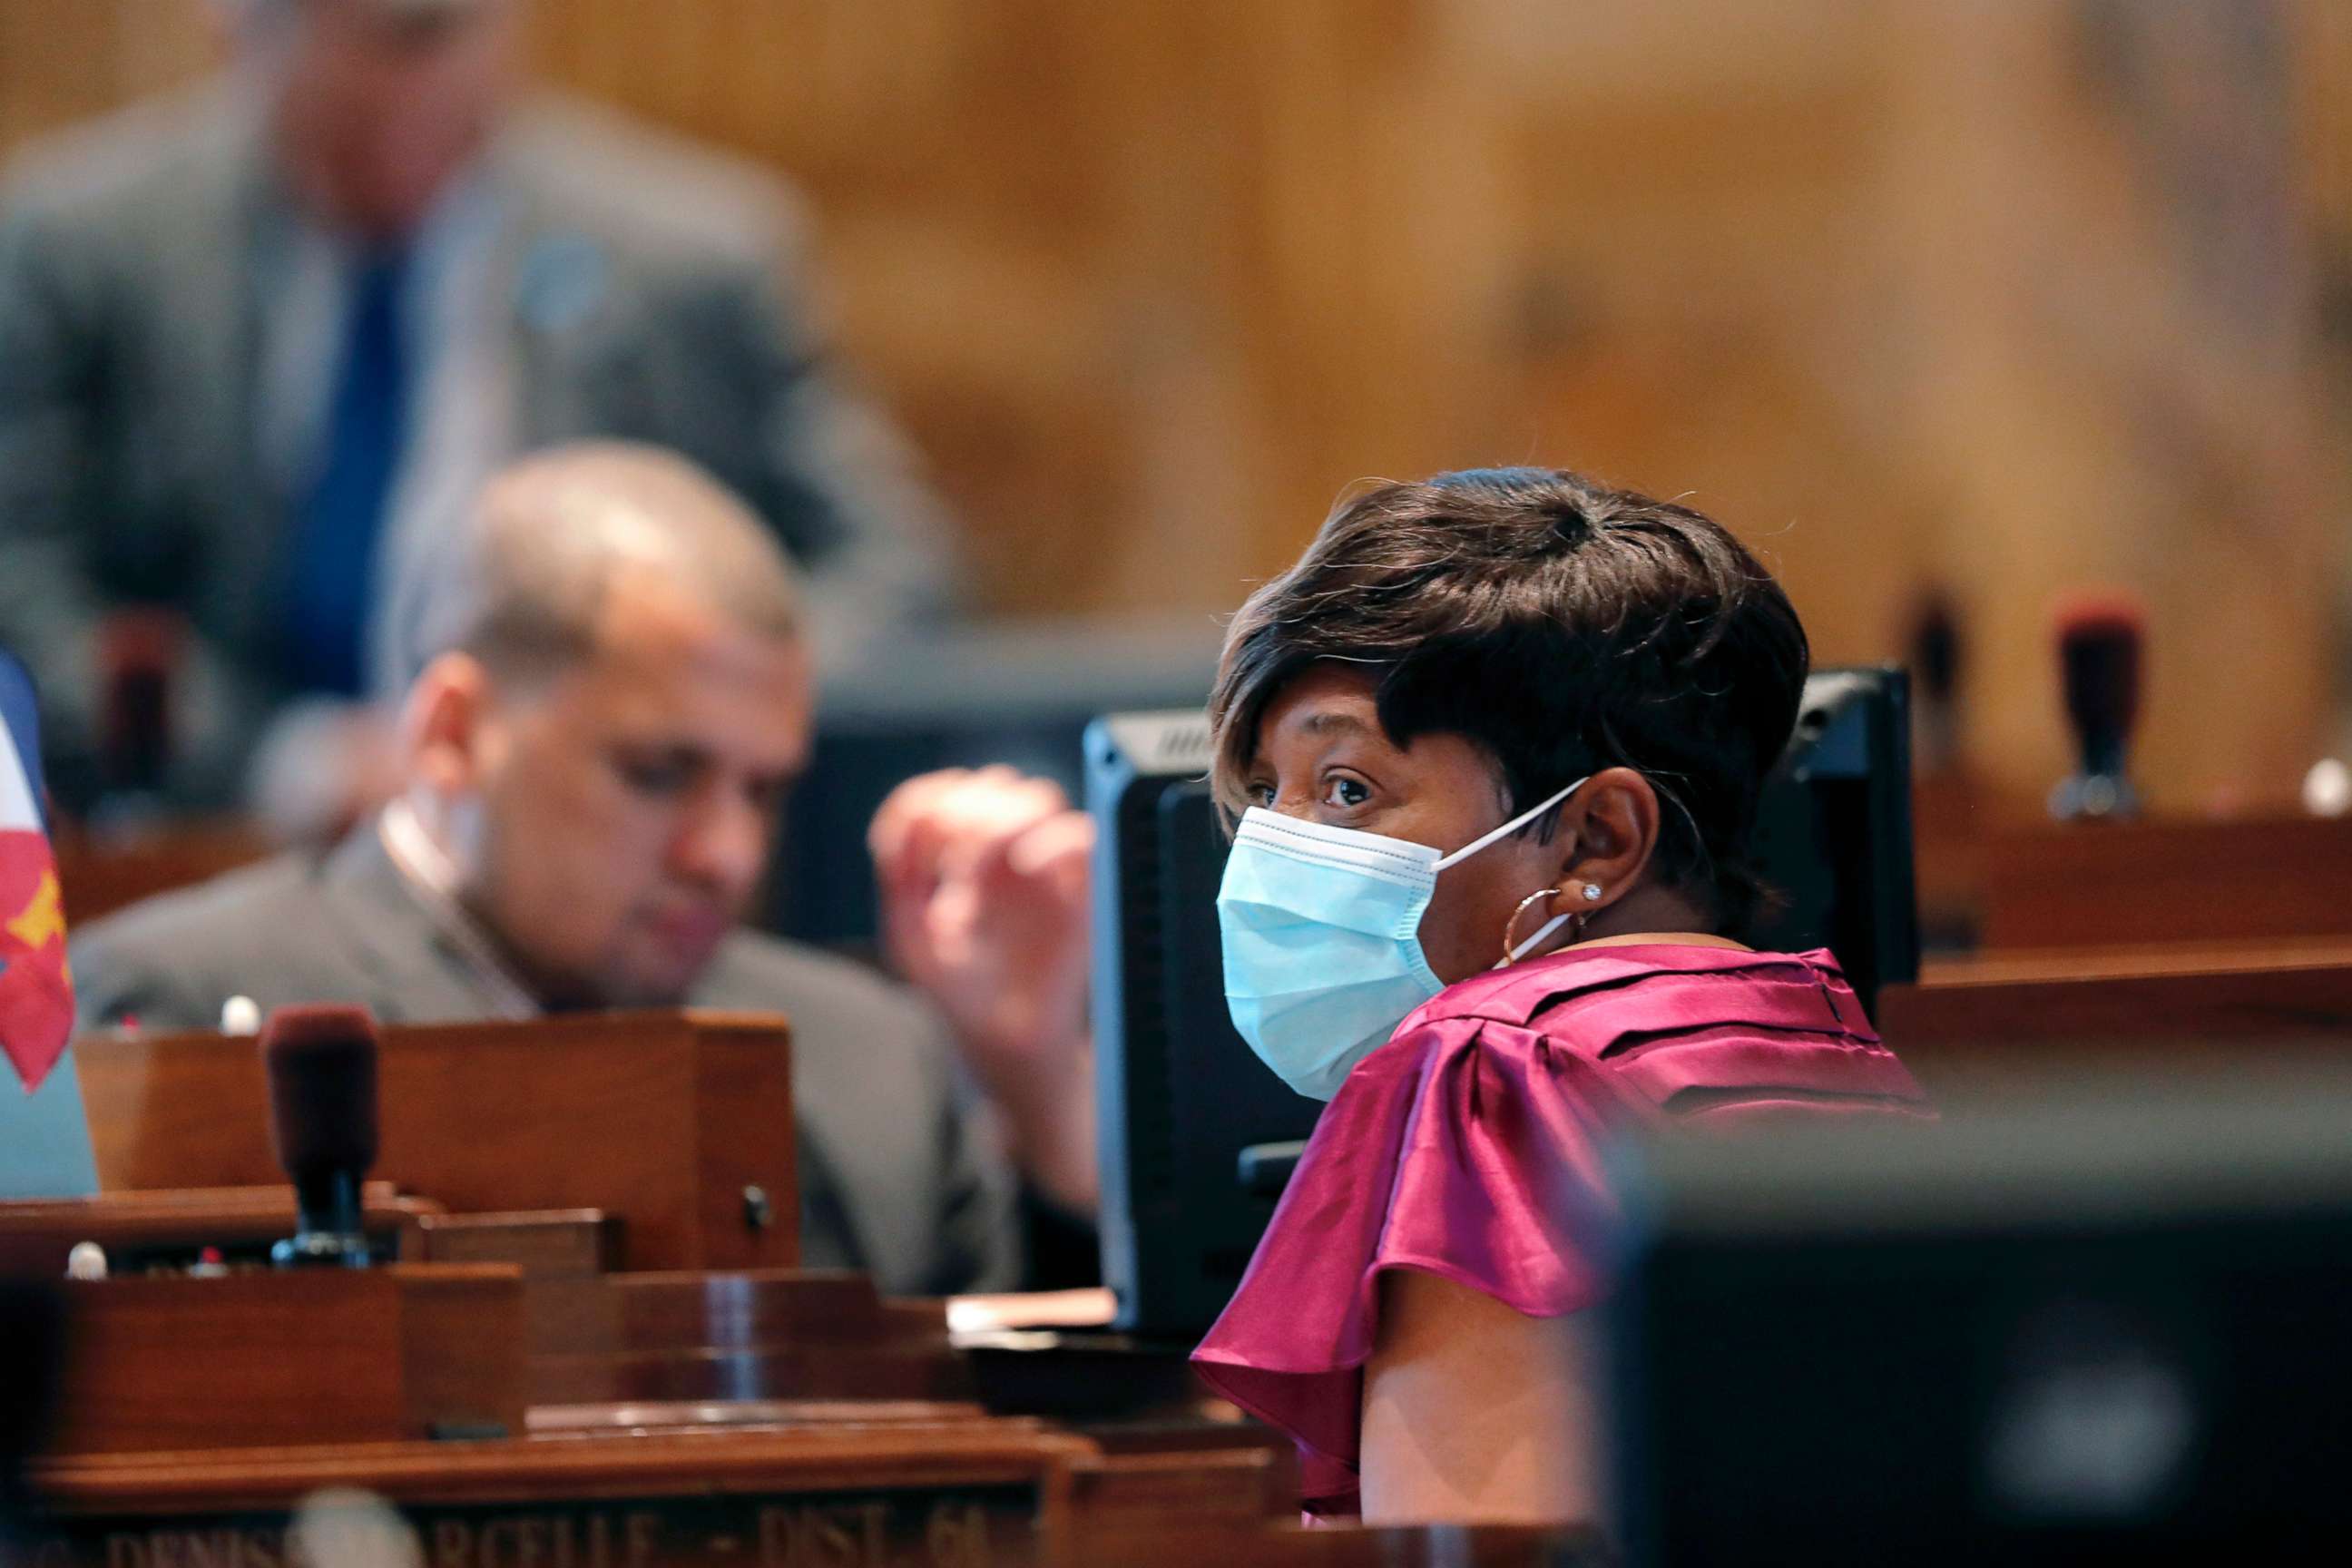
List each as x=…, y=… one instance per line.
x=1321, y=701
x=1334, y=703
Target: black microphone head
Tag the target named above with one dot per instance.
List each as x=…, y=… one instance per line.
x=323, y=1109
x=138, y=652
x=2099, y=641
x=1936, y=650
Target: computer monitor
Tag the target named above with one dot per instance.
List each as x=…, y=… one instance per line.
x=1833, y=831
x=1183, y=1099
x=1180, y=1093
x=960, y=698
x=2103, y=1325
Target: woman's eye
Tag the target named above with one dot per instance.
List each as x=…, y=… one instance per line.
x=1345, y=792
x=1262, y=794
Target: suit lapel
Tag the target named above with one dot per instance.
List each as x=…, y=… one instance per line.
x=416, y=974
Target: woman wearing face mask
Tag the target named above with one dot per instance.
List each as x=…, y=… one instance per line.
x=1495, y=744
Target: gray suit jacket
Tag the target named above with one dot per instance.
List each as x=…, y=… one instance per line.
x=651, y=291
x=900, y=1174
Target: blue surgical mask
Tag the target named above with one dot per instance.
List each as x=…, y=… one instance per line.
x=1322, y=938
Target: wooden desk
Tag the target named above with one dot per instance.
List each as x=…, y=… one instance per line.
x=680, y=1123
x=318, y=1355
x=2113, y=884
x=953, y=1494
x=99, y=873
x=684, y=1416
x=960, y=1494
x=2006, y=1020
x=137, y=1228
x=719, y=1337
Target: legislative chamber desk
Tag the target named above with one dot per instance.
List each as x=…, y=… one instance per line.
x=596, y=1350
x=2001, y=1022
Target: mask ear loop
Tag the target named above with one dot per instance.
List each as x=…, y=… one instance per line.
x=1511, y=826
x=1574, y=918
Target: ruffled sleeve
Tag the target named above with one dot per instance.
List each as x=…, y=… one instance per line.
x=1466, y=1148
x=1469, y=1147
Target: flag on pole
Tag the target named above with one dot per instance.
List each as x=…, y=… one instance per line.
x=36, y=1007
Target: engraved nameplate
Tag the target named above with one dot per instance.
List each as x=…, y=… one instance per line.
x=962, y=1527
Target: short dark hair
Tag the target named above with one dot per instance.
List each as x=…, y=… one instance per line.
x=1560, y=626
x=521, y=580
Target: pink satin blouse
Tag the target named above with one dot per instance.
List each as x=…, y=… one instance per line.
x=1469, y=1145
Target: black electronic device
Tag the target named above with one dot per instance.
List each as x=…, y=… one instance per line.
x=1181, y=1095
x=2100, y=1324
x=1833, y=831
x=1198, y=1135
x=958, y=697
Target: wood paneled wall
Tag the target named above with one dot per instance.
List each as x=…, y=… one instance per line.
x=1994, y=298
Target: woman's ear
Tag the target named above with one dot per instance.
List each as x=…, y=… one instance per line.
x=1608, y=829
x=441, y=725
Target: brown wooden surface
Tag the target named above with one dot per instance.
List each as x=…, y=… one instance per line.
x=733, y=1415
x=2116, y=884
x=1119, y=1500
x=99, y=873
x=1961, y=1033
x=537, y=1241
x=2189, y=957
x=236, y=1387
x=37, y=1234
x=301, y=1356
x=963, y=1494
x=827, y=1454
x=756, y=1336
x=849, y=1486
x=662, y=1119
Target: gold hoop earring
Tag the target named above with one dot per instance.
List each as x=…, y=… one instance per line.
x=1511, y=926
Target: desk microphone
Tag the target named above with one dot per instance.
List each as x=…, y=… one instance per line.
x=138, y=658
x=323, y=1121
x=2099, y=641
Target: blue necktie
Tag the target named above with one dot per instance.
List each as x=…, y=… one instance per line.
x=331, y=564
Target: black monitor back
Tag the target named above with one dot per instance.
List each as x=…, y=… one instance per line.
x=1181, y=1095
x=1833, y=831
x=2103, y=1324
x=958, y=698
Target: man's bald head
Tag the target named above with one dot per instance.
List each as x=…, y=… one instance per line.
x=525, y=586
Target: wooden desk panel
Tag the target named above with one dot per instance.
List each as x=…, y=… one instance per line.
x=957, y=1494
x=2251, y=1002
x=666, y=1119
x=986, y=1493
x=99, y=873
x=321, y=1355
x=37, y=1234
x=2110, y=884
x=720, y=1337
x=2006, y=1023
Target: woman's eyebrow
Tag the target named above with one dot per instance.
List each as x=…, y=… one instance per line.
x=1326, y=722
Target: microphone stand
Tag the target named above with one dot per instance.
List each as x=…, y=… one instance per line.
x=328, y=1230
